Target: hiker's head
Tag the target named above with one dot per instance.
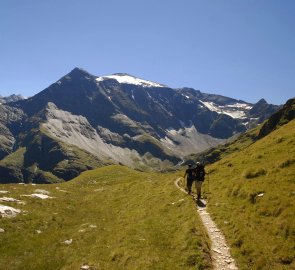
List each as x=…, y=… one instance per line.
x=189, y=165
x=198, y=163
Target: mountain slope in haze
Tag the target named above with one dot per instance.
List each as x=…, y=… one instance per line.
x=252, y=198
x=117, y=119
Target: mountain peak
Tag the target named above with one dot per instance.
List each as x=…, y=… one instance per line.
x=79, y=72
x=262, y=101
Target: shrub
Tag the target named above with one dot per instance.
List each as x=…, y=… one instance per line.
x=281, y=139
x=239, y=242
x=253, y=174
x=287, y=163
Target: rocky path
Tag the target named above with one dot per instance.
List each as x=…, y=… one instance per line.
x=220, y=253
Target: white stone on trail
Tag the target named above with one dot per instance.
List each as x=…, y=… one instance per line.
x=67, y=242
x=8, y=199
x=40, y=196
x=7, y=211
x=38, y=231
x=85, y=267
x=217, y=251
x=2, y=230
x=42, y=191
x=3, y=191
x=93, y=226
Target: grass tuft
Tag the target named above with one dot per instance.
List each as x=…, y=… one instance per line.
x=249, y=174
x=287, y=163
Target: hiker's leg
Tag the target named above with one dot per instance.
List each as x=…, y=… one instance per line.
x=189, y=185
x=199, y=188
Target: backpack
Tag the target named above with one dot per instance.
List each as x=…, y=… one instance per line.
x=191, y=174
x=200, y=172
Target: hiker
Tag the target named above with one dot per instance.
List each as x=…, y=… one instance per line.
x=190, y=173
x=199, y=177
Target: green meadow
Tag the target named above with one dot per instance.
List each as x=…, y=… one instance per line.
x=108, y=218
x=118, y=218
x=252, y=199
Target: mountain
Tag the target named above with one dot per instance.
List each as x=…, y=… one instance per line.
x=119, y=119
x=283, y=116
x=11, y=98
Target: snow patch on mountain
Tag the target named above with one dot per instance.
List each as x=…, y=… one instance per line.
x=132, y=95
x=237, y=110
x=125, y=78
x=240, y=105
x=186, y=96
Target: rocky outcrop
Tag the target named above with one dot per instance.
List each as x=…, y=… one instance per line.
x=11, y=98
x=283, y=116
x=11, y=120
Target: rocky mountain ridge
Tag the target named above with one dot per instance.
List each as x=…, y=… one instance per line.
x=11, y=98
x=116, y=119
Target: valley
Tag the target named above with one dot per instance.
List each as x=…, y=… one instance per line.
x=87, y=176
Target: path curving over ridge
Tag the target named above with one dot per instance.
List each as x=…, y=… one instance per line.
x=220, y=253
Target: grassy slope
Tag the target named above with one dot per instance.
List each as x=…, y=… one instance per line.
x=261, y=230
x=137, y=226
x=59, y=161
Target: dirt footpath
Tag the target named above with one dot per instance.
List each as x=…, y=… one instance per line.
x=220, y=253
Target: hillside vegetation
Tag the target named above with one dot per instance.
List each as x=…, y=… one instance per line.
x=252, y=199
x=46, y=160
x=108, y=218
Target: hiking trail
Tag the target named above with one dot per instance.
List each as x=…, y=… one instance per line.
x=220, y=253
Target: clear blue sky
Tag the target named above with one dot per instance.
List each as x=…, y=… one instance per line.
x=238, y=48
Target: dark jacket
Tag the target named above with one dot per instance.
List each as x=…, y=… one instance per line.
x=200, y=172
